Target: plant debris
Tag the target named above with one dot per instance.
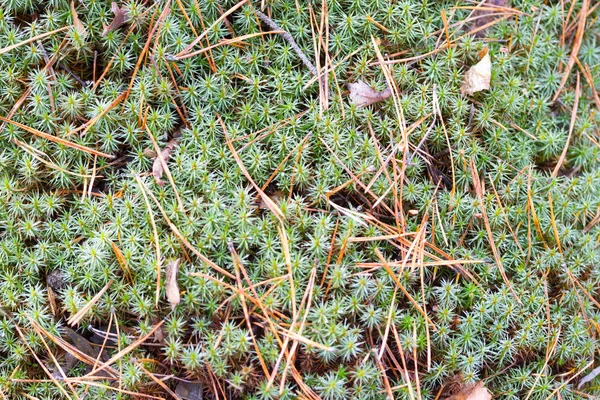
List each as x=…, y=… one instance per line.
x=271, y=24
x=478, y=76
x=589, y=377
x=121, y=16
x=84, y=346
x=171, y=283
x=486, y=13
x=472, y=392
x=76, y=22
x=189, y=390
x=363, y=95
x=157, y=167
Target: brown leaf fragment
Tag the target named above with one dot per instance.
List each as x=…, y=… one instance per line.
x=82, y=344
x=478, y=76
x=189, y=390
x=76, y=22
x=171, y=283
x=485, y=13
x=157, y=167
x=148, y=152
x=472, y=392
x=121, y=16
x=363, y=95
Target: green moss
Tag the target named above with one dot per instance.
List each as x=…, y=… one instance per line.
x=64, y=211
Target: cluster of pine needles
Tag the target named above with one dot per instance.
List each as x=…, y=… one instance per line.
x=286, y=199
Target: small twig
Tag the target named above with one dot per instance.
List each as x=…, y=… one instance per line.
x=271, y=24
x=73, y=75
x=60, y=65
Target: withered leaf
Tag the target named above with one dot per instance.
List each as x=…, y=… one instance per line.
x=171, y=283
x=82, y=344
x=472, y=392
x=76, y=22
x=157, y=167
x=189, y=390
x=478, y=76
x=363, y=95
x=121, y=16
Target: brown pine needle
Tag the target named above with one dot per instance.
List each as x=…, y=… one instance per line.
x=72, y=350
x=157, y=381
x=75, y=319
x=288, y=262
x=479, y=192
x=225, y=42
x=37, y=154
x=54, y=380
x=266, y=199
x=307, y=298
x=207, y=31
x=156, y=240
x=33, y=39
x=126, y=350
x=56, y=139
x=563, y=155
x=175, y=230
x=86, y=127
x=403, y=289
x=122, y=262
x=237, y=262
x=109, y=387
x=576, y=46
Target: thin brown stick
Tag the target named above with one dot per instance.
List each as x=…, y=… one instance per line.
x=33, y=39
x=56, y=139
x=75, y=319
x=288, y=38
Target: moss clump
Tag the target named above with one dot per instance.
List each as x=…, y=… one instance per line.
x=369, y=222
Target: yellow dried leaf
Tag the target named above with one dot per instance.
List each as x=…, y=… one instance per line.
x=478, y=76
x=171, y=283
x=363, y=95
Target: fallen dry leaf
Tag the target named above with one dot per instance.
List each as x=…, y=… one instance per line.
x=171, y=283
x=82, y=344
x=76, y=22
x=472, y=392
x=478, y=76
x=189, y=390
x=157, y=168
x=363, y=95
x=121, y=16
